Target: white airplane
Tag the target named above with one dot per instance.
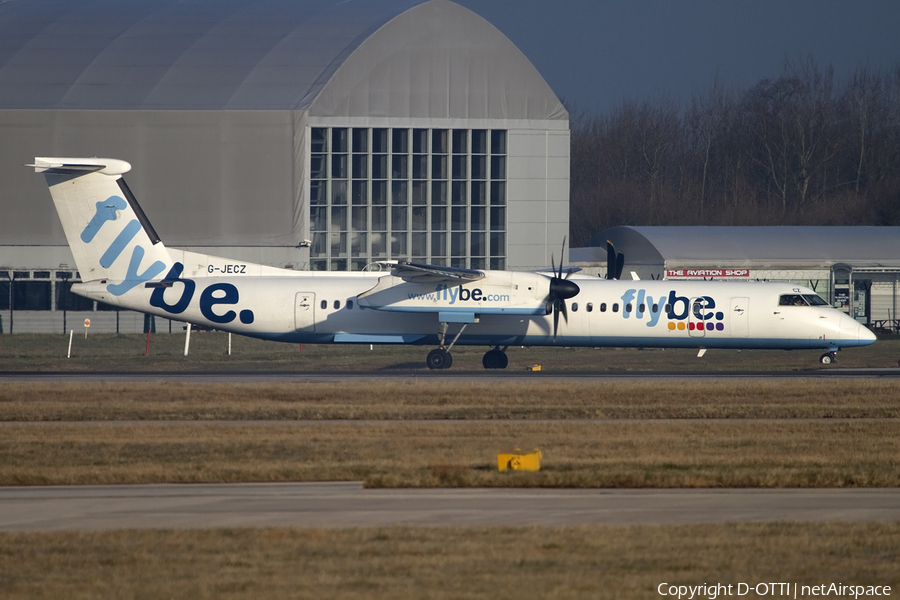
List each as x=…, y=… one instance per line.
x=122, y=262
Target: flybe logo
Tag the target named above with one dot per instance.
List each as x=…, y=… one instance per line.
x=699, y=311
x=213, y=296
x=451, y=295
x=105, y=212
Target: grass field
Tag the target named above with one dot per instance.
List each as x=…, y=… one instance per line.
x=458, y=562
x=208, y=352
x=676, y=433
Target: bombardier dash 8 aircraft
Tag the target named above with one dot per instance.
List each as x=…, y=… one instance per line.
x=123, y=263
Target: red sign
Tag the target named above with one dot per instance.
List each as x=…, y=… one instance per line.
x=707, y=273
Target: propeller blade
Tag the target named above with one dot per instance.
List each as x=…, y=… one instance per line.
x=555, y=321
x=620, y=264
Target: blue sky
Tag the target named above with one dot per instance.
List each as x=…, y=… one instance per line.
x=596, y=53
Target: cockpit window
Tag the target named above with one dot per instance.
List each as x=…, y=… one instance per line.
x=814, y=300
x=792, y=300
x=801, y=300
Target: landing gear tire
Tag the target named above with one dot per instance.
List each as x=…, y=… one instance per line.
x=828, y=358
x=495, y=359
x=439, y=359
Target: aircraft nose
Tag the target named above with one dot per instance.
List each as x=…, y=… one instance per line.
x=866, y=335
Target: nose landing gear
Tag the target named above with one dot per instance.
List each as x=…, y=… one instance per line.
x=828, y=358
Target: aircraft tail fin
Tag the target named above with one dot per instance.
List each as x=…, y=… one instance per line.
x=108, y=233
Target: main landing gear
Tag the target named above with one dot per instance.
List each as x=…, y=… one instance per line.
x=495, y=358
x=440, y=357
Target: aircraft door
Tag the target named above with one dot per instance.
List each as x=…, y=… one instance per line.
x=739, y=317
x=305, y=311
x=696, y=324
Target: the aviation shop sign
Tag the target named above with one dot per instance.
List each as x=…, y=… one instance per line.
x=720, y=273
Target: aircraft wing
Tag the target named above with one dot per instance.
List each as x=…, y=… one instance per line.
x=417, y=273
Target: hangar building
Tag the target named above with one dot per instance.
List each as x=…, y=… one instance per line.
x=855, y=268
x=310, y=134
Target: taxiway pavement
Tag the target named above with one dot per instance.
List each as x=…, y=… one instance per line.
x=175, y=506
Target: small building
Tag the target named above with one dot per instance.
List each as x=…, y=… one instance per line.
x=856, y=269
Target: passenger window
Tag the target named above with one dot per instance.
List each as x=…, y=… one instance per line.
x=628, y=307
x=615, y=307
x=590, y=307
x=641, y=308
x=668, y=308
x=655, y=308
x=574, y=307
x=603, y=307
x=349, y=304
x=324, y=304
x=337, y=304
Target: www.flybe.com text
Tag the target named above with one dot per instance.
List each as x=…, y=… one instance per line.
x=452, y=294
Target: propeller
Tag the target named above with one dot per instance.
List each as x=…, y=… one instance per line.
x=561, y=289
x=615, y=262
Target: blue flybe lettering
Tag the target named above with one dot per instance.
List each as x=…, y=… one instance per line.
x=677, y=309
x=452, y=294
x=105, y=212
x=225, y=294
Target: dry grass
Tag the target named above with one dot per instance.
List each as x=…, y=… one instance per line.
x=666, y=453
x=407, y=562
x=442, y=399
x=107, y=352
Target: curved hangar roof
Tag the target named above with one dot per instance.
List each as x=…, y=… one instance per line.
x=756, y=247
x=354, y=58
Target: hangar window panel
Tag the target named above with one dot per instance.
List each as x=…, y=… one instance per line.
x=379, y=218
x=318, y=218
x=339, y=218
x=479, y=141
x=438, y=218
x=477, y=263
x=458, y=244
x=4, y=294
x=400, y=166
x=339, y=264
x=458, y=218
x=479, y=167
x=498, y=219
x=319, y=241
x=438, y=245
x=439, y=141
x=317, y=166
x=458, y=167
x=318, y=265
x=400, y=141
x=379, y=166
x=458, y=193
x=419, y=219
x=339, y=139
x=460, y=141
x=478, y=243
x=498, y=142
x=498, y=167
x=360, y=139
x=379, y=249
x=399, y=192
x=498, y=193
x=419, y=193
x=359, y=219
x=419, y=246
x=439, y=166
x=318, y=139
x=339, y=192
x=420, y=141
x=439, y=193
x=379, y=192
x=339, y=166
x=360, y=166
x=479, y=193
x=399, y=215
x=479, y=221
x=497, y=263
x=338, y=244
x=398, y=245
x=498, y=244
x=379, y=141
x=419, y=166
x=360, y=193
